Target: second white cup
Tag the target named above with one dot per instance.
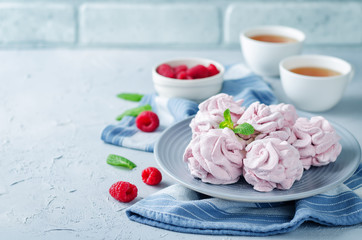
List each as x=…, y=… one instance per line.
x=264, y=47
x=311, y=90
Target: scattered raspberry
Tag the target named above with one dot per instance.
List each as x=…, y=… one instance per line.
x=198, y=71
x=147, y=121
x=182, y=75
x=212, y=70
x=166, y=71
x=151, y=176
x=180, y=68
x=123, y=191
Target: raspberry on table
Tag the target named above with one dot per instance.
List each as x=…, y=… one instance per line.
x=212, y=70
x=198, y=71
x=123, y=191
x=151, y=176
x=147, y=121
x=166, y=71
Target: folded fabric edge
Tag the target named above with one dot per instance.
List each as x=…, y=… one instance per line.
x=146, y=216
x=346, y=219
x=175, y=223
x=167, y=221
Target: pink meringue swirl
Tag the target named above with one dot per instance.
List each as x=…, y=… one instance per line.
x=216, y=156
x=317, y=141
x=288, y=111
x=271, y=163
x=284, y=134
x=211, y=112
x=262, y=118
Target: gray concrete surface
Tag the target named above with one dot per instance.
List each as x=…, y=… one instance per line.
x=54, y=179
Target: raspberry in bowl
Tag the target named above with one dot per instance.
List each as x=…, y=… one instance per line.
x=192, y=78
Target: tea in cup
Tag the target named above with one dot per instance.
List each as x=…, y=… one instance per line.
x=315, y=82
x=265, y=46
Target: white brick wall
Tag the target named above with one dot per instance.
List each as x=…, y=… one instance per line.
x=176, y=23
x=322, y=22
x=37, y=24
x=149, y=24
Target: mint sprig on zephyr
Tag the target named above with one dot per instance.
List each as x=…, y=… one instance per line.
x=244, y=128
x=227, y=122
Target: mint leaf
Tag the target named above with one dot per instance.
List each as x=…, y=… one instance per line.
x=134, y=112
x=227, y=122
x=135, y=97
x=116, y=160
x=227, y=116
x=244, y=129
x=223, y=125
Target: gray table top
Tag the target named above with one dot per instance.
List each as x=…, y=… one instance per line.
x=53, y=106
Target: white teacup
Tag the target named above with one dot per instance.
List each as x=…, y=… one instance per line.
x=315, y=93
x=263, y=56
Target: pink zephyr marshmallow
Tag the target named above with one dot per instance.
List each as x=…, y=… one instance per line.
x=317, y=141
x=271, y=163
x=211, y=112
x=273, y=121
x=262, y=118
x=284, y=134
x=288, y=111
x=216, y=156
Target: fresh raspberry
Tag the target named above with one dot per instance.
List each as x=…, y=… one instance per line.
x=180, y=68
x=151, y=176
x=182, y=75
x=188, y=77
x=166, y=71
x=123, y=191
x=147, y=121
x=212, y=70
x=198, y=71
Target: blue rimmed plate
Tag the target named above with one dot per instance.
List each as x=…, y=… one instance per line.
x=170, y=147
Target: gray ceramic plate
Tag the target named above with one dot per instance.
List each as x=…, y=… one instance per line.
x=170, y=147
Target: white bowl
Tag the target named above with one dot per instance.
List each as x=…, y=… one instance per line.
x=196, y=89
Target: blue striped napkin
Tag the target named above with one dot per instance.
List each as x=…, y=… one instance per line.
x=179, y=209
x=239, y=82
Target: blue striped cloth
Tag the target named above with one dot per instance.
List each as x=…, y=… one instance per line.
x=179, y=209
x=239, y=82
